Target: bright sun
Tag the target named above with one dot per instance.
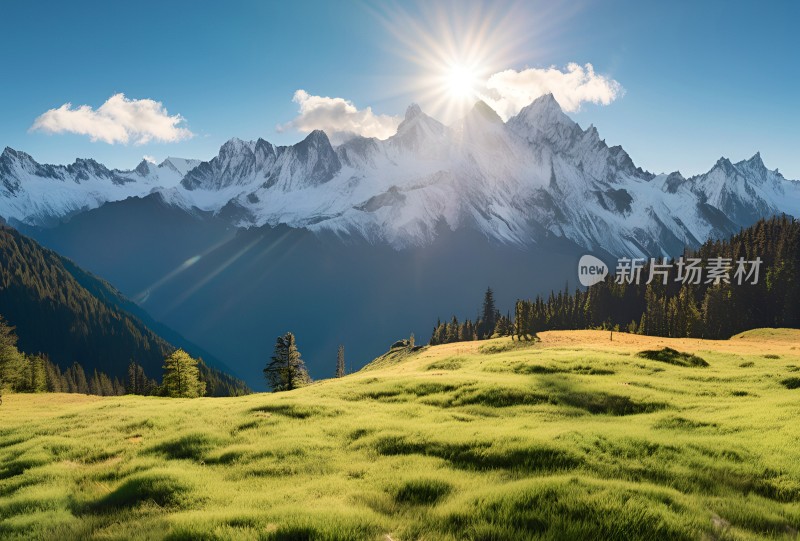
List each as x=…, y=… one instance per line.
x=461, y=82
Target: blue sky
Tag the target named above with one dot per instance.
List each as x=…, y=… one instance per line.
x=701, y=79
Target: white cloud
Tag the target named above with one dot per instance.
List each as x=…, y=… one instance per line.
x=149, y=158
x=338, y=118
x=118, y=120
x=510, y=90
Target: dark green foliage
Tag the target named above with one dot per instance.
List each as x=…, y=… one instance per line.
x=286, y=370
x=138, y=382
x=68, y=316
x=55, y=315
x=715, y=311
x=12, y=362
x=489, y=315
x=219, y=383
x=671, y=356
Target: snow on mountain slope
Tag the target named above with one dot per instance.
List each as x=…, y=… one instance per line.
x=43, y=194
x=537, y=175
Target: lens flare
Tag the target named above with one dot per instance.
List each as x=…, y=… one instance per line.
x=454, y=47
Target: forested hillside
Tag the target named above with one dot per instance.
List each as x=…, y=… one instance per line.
x=708, y=309
x=56, y=316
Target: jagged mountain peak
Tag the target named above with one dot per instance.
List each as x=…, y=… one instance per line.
x=544, y=120
x=412, y=111
x=482, y=110
x=538, y=174
x=417, y=132
x=143, y=168
x=235, y=145
x=10, y=153
x=415, y=116
x=544, y=107
x=755, y=161
x=317, y=137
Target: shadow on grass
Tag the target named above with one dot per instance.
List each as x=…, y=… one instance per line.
x=296, y=411
x=671, y=356
x=156, y=487
x=190, y=446
x=572, y=510
x=681, y=423
x=562, y=393
x=394, y=392
x=791, y=383
x=481, y=455
x=422, y=492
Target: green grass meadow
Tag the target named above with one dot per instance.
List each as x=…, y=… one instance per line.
x=573, y=437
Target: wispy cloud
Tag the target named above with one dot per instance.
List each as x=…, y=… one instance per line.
x=339, y=118
x=510, y=90
x=118, y=120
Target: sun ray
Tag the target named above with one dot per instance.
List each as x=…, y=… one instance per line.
x=454, y=47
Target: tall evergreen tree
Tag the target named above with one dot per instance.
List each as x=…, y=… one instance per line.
x=286, y=370
x=340, y=362
x=488, y=315
x=182, y=376
x=12, y=362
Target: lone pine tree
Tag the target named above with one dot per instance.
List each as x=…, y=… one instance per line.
x=182, y=376
x=286, y=370
x=489, y=316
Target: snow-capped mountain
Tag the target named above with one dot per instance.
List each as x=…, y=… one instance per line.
x=38, y=194
x=538, y=175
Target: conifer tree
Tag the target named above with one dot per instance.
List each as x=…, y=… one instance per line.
x=286, y=370
x=489, y=315
x=11, y=360
x=182, y=376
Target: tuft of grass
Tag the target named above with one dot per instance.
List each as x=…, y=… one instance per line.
x=681, y=423
x=160, y=487
x=296, y=411
x=422, y=492
x=501, y=346
x=449, y=363
x=671, y=356
x=606, y=403
x=791, y=383
x=191, y=446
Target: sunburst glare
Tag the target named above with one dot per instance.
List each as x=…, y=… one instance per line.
x=455, y=49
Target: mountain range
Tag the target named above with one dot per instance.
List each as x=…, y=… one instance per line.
x=365, y=242
x=539, y=174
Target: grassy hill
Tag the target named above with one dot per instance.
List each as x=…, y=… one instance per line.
x=573, y=437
